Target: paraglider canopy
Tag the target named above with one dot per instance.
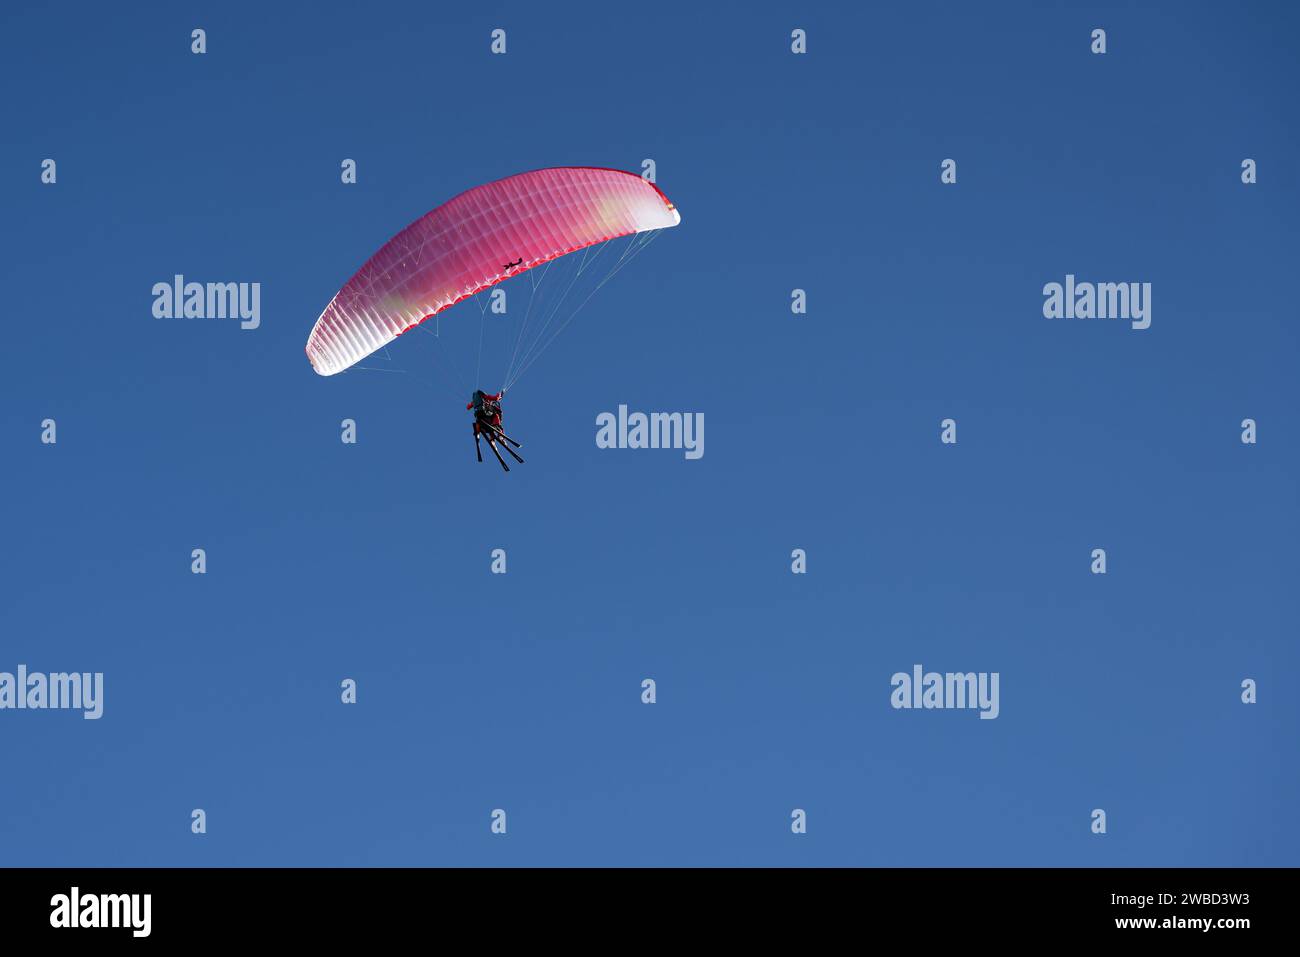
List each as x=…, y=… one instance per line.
x=481, y=237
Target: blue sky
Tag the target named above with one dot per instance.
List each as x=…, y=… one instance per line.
x=522, y=691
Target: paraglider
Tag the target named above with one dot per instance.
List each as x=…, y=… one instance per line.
x=487, y=423
x=486, y=235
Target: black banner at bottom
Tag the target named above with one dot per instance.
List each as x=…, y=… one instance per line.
x=539, y=906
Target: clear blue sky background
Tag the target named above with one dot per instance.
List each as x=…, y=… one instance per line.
x=522, y=691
